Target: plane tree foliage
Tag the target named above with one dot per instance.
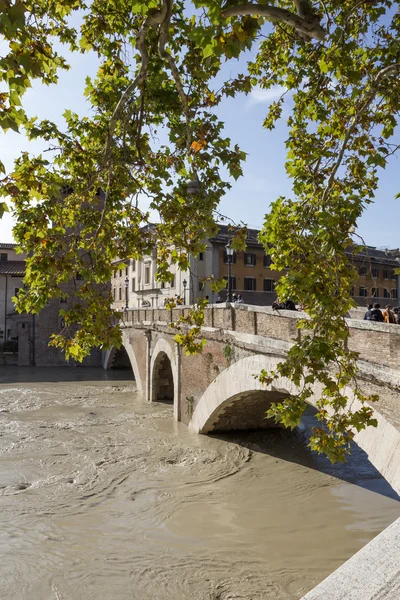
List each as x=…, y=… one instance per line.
x=152, y=131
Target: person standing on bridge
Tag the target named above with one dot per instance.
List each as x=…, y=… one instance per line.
x=369, y=308
x=396, y=312
x=374, y=314
x=388, y=314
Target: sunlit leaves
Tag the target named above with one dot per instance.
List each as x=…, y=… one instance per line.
x=150, y=133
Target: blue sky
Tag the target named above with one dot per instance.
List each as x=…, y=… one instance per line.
x=264, y=174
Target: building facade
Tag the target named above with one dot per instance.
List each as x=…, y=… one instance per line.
x=24, y=338
x=134, y=285
x=12, y=269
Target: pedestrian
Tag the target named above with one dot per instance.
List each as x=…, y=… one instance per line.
x=234, y=298
x=369, y=307
x=388, y=314
x=278, y=305
x=290, y=305
x=375, y=314
x=396, y=312
x=239, y=299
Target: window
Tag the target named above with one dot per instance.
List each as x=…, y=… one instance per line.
x=250, y=259
x=386, y=293
x=375, y=293
x=267, y=261
x=362, y=271
x=126, y=271
x=233, y=282
x=120, y=272
x=394, y=276
x=233, y=258
x=133, y=284
x=250, y=284
x=385, y=274
x=114, y=293
x=375, y=273
x=173, y=282
x=120, y=293
x=269, y=285
x=201, y=256
x=162, y=286
x=363, y=292
x=133, y=266
x=393, y=293
x=115, y=273
x=147, y=274
x=352, y=292
x=3, y=257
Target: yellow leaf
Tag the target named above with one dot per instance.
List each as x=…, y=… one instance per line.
x=196, y=146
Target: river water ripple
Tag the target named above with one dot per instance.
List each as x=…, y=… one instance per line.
x=104, y=497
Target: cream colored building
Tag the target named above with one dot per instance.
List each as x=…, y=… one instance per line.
x=12, y=269
x=134, y=284
x=251, y=276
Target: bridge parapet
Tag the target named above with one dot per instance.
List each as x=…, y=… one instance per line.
x=377, y=343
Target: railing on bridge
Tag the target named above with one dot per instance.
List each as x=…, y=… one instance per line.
x=375, y=342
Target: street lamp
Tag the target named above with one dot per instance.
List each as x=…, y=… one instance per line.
x=126, y=292
x=184, y=282
x=229, y=253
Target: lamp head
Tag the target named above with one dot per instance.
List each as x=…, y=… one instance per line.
x=229, y=249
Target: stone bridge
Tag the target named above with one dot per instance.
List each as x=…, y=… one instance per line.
x=216, y=389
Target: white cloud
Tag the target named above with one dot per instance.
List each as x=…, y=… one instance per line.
x=259, y=95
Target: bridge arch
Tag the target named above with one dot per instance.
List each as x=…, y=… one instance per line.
x=110, y=354
x=237, y=400
x=163, y=374
x=236, y=384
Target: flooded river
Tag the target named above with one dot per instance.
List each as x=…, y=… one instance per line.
x=103, y=497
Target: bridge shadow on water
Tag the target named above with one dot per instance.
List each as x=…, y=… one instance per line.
x=59, y=374
x=292, y=446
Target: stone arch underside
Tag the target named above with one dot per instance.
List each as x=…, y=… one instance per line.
x=236, y=386
x=162, y=379
x=246, y=410
x=163, y=373
x=112, y=355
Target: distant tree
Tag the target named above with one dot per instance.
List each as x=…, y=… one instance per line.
x=153, y=129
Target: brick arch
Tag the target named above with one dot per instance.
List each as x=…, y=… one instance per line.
x=109, y=355
x=236, y=385
x=163, y=373
x=237, y=400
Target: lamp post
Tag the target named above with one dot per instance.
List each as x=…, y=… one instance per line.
x=184, y=282
x=229, y=254
x=126, y=292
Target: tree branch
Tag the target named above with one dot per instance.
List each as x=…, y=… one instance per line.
x=308, y=25
x=155, y=18
x=368, y=98
x=163, y=39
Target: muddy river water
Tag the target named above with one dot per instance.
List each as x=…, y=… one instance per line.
x=104, y=497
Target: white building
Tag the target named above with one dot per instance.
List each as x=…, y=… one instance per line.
x=12, y=269
x=135, y=285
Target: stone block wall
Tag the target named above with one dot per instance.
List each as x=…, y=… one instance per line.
x=236, y=333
